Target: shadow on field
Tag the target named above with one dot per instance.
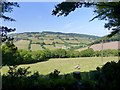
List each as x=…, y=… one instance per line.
x=105, y=78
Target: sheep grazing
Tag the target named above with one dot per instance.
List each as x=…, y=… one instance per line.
x=77, y=66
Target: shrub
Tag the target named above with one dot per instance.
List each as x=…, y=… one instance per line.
x=54, y=74
x=10, y=55
x=87, y=53
x=110, y=76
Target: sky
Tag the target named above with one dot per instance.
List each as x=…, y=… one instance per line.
x=37, y=17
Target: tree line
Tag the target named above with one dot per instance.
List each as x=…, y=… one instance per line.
x=13, y=56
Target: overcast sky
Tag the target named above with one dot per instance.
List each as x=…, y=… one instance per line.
x=37, y=17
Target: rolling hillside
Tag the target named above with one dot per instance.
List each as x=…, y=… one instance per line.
x=107, y=39
x=52, y=40
x=108, y=45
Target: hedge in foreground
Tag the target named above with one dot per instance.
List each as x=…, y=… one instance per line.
x=105, y=78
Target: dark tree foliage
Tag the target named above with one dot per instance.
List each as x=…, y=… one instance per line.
x=109, y=76
x=6, y=7
x=10, y=54
x=109, y=11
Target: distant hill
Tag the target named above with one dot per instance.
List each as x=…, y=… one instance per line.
x=107, y=39
x=52, y=40
x=107, y=45
x=106, y=42
x=72, y=34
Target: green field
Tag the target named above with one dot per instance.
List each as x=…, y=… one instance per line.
x=58, y=41
x=35, y=47
x=22, y=44
x=48, y=41
x=35, y=40
x=51, y=47
x=67, y=65
x=82, y=49
x=59, y=45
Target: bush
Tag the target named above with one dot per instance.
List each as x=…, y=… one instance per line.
x=54, y=74
x=107, y=53
x=109, y=78
x=59, y=53
x=36, y=81
x=26, y=57
x=10, y=55
x=72, y=54
x=87, y=53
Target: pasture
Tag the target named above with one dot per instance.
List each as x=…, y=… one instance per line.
x=35, y=40
x=48, y=41
x=50, y=47
x=58, y=41
x=66, y=65
x=22, y=44
x=35, y=47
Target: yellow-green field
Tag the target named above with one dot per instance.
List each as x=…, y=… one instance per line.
x=35, y=47
x=35, y=40
x=82, y=49
x=48, y=41
x=72, y=41
x=22, y=44
x=51, y=47
x=67, y=65
x=59, y=45
x=59, y=41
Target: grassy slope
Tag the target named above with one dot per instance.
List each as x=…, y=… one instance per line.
x=50, y=38
x=35, y=47
x=22, y=44
x=66, y=65
x=82, y=49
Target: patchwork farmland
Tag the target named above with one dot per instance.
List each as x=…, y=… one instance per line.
x=55, y=40
x=52, y=40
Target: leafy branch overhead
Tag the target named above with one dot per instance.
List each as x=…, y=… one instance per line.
x=6, y=7
x=108, y=11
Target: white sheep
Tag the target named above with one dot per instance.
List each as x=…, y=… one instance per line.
x=77, y=66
